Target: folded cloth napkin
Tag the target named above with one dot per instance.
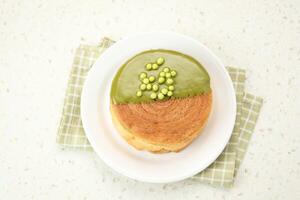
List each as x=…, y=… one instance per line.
x=220, y=173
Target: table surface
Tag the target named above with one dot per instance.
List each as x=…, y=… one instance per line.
x=37, y=43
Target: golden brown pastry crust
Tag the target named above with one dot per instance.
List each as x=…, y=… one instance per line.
x=163, y=126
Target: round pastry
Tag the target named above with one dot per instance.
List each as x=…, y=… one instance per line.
x=161, y=100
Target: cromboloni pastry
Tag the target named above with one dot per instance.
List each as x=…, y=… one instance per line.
x=160, y=100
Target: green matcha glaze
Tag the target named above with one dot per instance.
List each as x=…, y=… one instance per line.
x=191, y=78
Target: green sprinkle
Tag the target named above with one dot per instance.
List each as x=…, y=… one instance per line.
x=143, y=86
x=173, y=73
x=149, y=86
x=155, y=87
x=154, y=66
x=162, y=74
x=143, y=75
x=164, y=91
x=139, y=93
x=149, y=66
x=153, y=95
x=151, y=79
x=160, y=61
x=161, y=80
x=145, y=80
x=160, y=96
x=168, y=75
x=171, y=88
x=170, y=81
x=170, y=93
x=166, y=69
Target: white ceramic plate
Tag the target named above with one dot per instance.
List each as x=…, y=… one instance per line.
x=141, y=165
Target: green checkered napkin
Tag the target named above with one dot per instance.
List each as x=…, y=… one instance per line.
x=220, y=173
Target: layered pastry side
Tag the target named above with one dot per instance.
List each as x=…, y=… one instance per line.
x=160, y=100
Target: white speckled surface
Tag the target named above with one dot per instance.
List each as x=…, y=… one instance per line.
x=37, y=40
